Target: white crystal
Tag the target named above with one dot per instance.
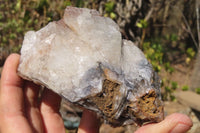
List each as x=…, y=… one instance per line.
x=61, y=53
x=71, y=56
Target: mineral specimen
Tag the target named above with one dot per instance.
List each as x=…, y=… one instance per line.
x=84, y=59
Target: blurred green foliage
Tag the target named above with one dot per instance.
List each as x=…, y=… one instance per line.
x=142, y=24
x=190, y=52
x=190, y=55
x=168, y=88
x=185, y=88
x=168, y=67
x=158, y=54
x=197, y=90
x=174, y=85
x=154, y=53
x=109, y=8
x=79, y=3
x=18, y=17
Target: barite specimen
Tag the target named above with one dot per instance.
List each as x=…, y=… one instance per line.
x=84, y=59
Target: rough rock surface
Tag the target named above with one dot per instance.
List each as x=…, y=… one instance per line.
x=84, y=59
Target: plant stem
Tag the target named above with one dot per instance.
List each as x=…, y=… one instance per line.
x=142, y=38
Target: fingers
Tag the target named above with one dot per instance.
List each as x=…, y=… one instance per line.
x=11, y=98
x=11, y=84
x=89, y=123
x=49, y=108
x=175, y=123
x=31, y=93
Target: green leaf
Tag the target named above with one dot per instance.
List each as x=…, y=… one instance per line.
x=112, y=15
x=142, y=24
x=109, y=6
x=190, y=52
x=139, y=25
x=18, y=5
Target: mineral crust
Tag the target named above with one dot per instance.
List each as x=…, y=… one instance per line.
x=84, y=59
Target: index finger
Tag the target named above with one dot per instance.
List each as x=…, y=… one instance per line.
x=89, y=123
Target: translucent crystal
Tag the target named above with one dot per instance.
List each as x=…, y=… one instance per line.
x=84, y=59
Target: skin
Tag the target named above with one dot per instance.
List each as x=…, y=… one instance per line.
x=23, y=111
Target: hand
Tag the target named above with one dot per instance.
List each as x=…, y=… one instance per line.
x=174, y=123
x=22, y=112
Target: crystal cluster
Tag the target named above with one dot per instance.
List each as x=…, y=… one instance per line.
x=84, y=59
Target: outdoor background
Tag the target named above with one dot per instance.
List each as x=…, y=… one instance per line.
x=167, y=31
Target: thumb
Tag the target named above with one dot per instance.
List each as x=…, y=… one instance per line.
x=175, y=123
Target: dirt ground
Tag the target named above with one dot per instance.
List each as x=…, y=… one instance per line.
x=181, y=75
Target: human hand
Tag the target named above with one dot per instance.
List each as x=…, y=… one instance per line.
x=21, y=111
x=174, y=123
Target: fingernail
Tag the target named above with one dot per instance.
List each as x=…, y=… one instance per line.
x=180, y=128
